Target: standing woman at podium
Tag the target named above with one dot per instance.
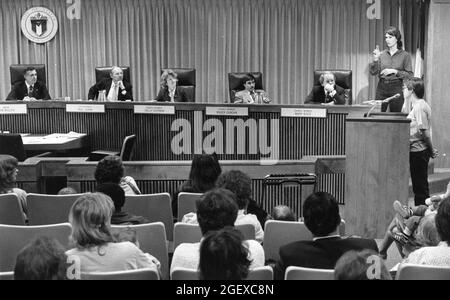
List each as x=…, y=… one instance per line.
x=392, y=65
x=421, y=147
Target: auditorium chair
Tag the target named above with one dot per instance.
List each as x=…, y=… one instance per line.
x=235, y=82
x=186, y=81
x=17, y=72
x=105, y=72
x=7, y=275
x=343, y=79
x=11, y=210
x=125, y=153
x=49, y=209
x=138, y=274
x=300, y=273
x=260, y=273
x=408, y=271
x=187, y=203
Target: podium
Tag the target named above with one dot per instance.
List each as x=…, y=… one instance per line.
x=377, y=172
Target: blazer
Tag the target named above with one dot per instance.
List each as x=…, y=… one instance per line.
x=20, y=91
x=105, y=84
x=317, y=95
x=319, y=254
x=180, y=95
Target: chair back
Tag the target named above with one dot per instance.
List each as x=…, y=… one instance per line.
x=422, y=272
x=180, y=273
x=17, y=72
x=153, y=207
x=105, y=73
x=300, y=273
x=187, y=203
x=138, y=274
x=7, y=275
x=261, y=273
x=14, y=238
x=126, y=153
x=49, y=209
x=11, y=210
x=236, y=82
x=186, y=81
x=12, y=144
x=343, y=79
x=152, y=240
x=186, y=233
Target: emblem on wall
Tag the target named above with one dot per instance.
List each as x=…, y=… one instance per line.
x=39, y=25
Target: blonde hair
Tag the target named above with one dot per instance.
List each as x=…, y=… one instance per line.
x=90, y=217
x=164, y=76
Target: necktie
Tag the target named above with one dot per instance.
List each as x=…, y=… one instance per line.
x=116, y=92
x=30, y=91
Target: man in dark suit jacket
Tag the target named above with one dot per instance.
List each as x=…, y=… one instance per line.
x=321, y=216
x=116, y=89
x=30, y=88
x=327, y=93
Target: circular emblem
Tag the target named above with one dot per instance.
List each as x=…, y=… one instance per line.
x=39, y=25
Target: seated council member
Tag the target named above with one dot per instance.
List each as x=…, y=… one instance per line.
x=328, y=93
x=250, y=95
x=116, y=88
x=30, y=88
x=169, y=91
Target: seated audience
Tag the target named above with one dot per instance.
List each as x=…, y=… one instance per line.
x=321, y=217
x=361, y=265
x=437, y=255
x=215, y=210
x=249, y=95
x=169, y=91
x=205, y=170
x=29, y=89
x=93, y=242
x=115, y=88
x=327, y=93
x=41, y=259
x=117, y=194
x=283, y=213
x=67, y=191
x=223, y=256
x=426, y=235
x=110, y=170
x=8, y=177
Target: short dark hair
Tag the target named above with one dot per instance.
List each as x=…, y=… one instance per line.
x=321, y=213
x=395, y=32
x=41, y=259
x=8, y=164
x=216, y=209
x=354, y=265
x=223, y=256
x=115, y=192
x=416, y=85
x=29, y=69
x=248, y=77
x=109, y=169
x=443, y=220
x=239, y=183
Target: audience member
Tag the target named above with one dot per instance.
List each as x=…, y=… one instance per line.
x=30, y=88
x=117, y=194
x=169, y=91
x=223, y=256
x=93, y=242
x=115, y=88
x=110, y=169
x=249, y=95
x=8, y=177
x=41, y=259
x=426, y=235
x=283, y=213
x=321, y=217
x=215, y=210
x=328, y=92
x=67, y=191
x=361, y=265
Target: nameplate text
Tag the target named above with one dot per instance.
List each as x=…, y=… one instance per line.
x=303, y=113
x=154, y=110
x=13, y=109
x=86, y=108
x=227, y=111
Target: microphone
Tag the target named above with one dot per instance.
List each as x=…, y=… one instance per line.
x=391, y=98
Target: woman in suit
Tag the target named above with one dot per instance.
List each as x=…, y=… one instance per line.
x=169, y=91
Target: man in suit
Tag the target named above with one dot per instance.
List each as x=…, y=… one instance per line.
x=249, y=95
x=321, y=217
x=328, y=93
x=116, y=89
x=30, y=88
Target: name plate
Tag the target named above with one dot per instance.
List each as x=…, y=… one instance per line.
x=86, y=108
x=227, y=111
x=303, y=113
x=154, y=110
x=13, y=109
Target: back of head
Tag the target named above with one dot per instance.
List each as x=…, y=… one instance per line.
x=416, y=85
x=8, y=164
x=443, y=220
x=216, y=210
x=427, y=234
x=239, y=183
x=109, y=169
x=204, y=172
x=41, y=259
x=283, y=213
x=67, y=191
x=115, y=192
x=363, y=265
x=223, y=256
x=90, y=217
x=321, y=214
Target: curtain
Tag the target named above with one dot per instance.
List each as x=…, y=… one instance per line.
x=284, y=39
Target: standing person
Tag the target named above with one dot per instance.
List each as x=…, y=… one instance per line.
x=392, y=65
x=30, y=88
x=116, y=88
x=8, y=178
x=421, y=147
x=169, y=91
